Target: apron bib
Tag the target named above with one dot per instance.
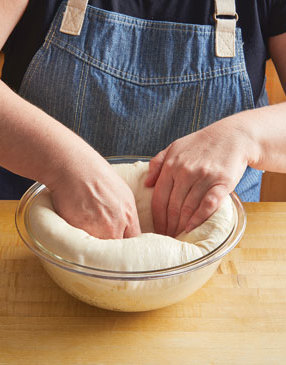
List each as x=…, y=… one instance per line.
x=130, y=86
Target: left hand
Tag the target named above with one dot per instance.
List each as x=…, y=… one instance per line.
x=193, y=175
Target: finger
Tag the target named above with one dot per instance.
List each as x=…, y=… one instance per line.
x=133, y=230
x=209, y=204
x=192, y=202
x=155, y=167
x=178, y=195
x=160, y=200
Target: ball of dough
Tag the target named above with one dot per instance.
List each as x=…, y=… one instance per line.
x=149, y=251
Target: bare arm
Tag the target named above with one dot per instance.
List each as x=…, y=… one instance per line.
x=268, y=124
x=10, y=14
x=85, y=189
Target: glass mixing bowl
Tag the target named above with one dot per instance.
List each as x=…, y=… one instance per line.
x=126, y=290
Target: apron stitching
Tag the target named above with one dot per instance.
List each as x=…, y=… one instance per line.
x=52, y=31
x=133, y=75
x=154, y=27
x=201, y=102
x=83, y=96
x=248, y=91
x=243, y=88
x=78, y=97
x=189, y=77
x=195, y=109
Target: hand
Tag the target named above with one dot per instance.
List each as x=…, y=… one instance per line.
x=193, y=175
x=89, y=195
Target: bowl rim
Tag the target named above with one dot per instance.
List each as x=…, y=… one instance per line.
x=22, y=225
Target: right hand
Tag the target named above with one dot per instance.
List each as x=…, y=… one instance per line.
x=91, y=196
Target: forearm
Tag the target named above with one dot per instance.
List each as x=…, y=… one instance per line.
x=264, y=130
x=32, y=143
x=85, y=190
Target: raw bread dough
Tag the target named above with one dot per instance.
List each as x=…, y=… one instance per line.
x=148, y=251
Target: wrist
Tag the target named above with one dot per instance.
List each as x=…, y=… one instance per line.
x=72, y=158
x=244, y=134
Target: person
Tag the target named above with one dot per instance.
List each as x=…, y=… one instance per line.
x=163, y=78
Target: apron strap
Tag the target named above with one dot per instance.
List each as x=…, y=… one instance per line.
x=74, y=17
x=225, y=28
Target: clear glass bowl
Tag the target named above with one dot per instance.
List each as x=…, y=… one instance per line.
x=126, y=290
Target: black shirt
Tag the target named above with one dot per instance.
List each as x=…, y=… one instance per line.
x=258, y=19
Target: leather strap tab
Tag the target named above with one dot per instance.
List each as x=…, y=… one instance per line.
x=225, y=7
x=225, y=28
x=74, y=17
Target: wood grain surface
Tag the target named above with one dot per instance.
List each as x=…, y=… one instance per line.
x=238, y=317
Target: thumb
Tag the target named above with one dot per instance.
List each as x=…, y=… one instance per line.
x=155, y=167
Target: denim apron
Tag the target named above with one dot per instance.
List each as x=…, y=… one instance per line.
x=132, y=86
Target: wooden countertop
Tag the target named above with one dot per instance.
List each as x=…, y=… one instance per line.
x=238, y=317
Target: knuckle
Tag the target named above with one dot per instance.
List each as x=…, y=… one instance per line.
x=210, y=203
x=203, y=172
x=168, y=164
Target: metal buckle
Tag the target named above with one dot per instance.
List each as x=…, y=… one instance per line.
x=235, y=16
